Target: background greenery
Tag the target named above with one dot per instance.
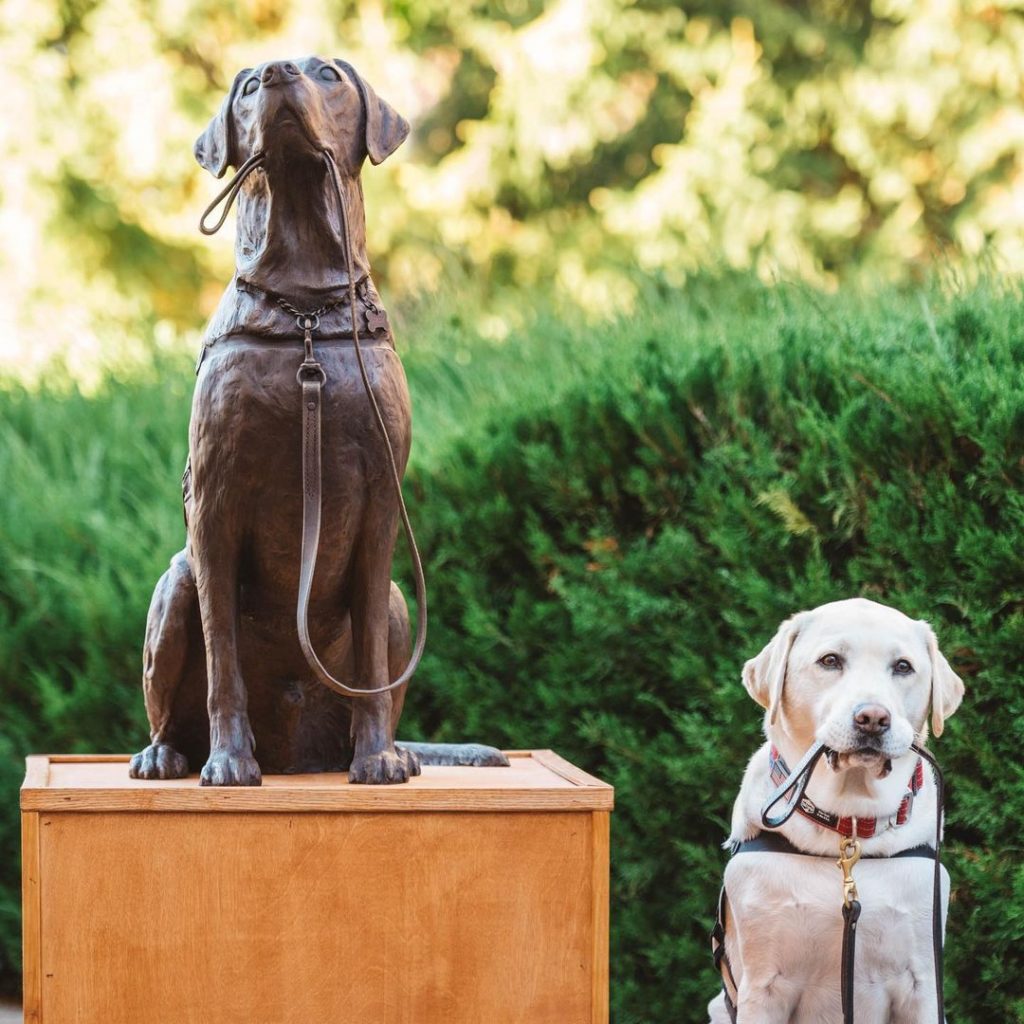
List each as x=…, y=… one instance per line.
x=685, y=296
x=584, y=143
x=613, y=520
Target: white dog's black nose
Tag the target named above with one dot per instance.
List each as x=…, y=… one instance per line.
x=872, y=719
x=278, y=71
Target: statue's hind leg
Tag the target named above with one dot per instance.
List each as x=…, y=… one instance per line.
x=173, y=631
x=399, y=650
x=472, y=755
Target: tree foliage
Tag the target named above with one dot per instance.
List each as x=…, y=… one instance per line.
x=579, y=142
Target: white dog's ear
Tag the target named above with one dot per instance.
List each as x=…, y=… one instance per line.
x=215, y=148
x=765, y=675
x=947, y=686
x=386, y=129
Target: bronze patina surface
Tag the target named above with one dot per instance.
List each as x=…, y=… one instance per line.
x=224, y=676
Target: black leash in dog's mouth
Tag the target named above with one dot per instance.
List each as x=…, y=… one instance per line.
x=796, y=783
x=792, y=790
x=311, y=377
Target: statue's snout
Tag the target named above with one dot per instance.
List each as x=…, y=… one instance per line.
x=279, y=72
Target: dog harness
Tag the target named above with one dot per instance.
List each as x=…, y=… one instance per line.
x=866, y=827
x=795, y=783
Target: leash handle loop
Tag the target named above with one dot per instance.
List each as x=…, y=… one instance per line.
x=796, y=783
x=229, y=193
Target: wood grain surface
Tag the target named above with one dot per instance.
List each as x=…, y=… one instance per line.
x=31, y=919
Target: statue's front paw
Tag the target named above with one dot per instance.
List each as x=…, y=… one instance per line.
x=230, y=768
x=384, y=768
x=158, y=761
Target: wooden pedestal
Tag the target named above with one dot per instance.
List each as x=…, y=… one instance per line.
x=468, y=896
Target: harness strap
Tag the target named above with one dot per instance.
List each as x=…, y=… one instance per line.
x=937, y=951
x=775, y=842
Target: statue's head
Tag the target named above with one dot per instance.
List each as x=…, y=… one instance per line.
x=293, y=110
x=279, y=124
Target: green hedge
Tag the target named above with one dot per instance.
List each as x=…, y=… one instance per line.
x=613, y=519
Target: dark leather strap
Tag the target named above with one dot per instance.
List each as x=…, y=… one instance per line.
x=229, y=192
x=851, y=915
x=730, y=990
x=937, y=951
x=311, y=376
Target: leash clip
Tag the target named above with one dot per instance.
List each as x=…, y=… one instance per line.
x=310, y=369
x=308, y=322
x=849, y=854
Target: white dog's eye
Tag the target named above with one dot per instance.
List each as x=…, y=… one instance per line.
x=830, y=661
x=902, y=667
x=329, y=74
x=251, y=86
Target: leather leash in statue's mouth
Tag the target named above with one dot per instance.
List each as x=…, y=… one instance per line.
x=311, y=377
x=794, y=787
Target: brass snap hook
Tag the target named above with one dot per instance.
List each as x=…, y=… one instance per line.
x=849, y=854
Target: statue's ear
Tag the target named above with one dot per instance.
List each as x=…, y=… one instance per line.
x=386, y=129
x=215, y=148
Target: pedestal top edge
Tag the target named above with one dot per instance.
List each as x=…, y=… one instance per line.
x=535, y=780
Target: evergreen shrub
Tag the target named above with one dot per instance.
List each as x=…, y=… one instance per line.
x=613, y=519
x=605, y=553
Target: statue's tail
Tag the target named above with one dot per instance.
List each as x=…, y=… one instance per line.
x=463, y=755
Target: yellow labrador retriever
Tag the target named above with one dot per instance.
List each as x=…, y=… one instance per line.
x=865, y=680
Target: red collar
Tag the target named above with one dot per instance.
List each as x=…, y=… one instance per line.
x=866, y=827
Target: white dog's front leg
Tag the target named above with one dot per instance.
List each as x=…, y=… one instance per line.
x=717, y=1012
x=768, y=1001
x=918, y=1004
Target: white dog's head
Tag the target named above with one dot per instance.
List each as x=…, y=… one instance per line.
x=856, y=676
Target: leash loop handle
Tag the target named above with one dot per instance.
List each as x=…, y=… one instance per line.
x=796, y=784
x=229, y=193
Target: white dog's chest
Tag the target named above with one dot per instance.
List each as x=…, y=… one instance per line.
x=785, y=931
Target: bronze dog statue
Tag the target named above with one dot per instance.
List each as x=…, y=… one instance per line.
x=229, y=668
